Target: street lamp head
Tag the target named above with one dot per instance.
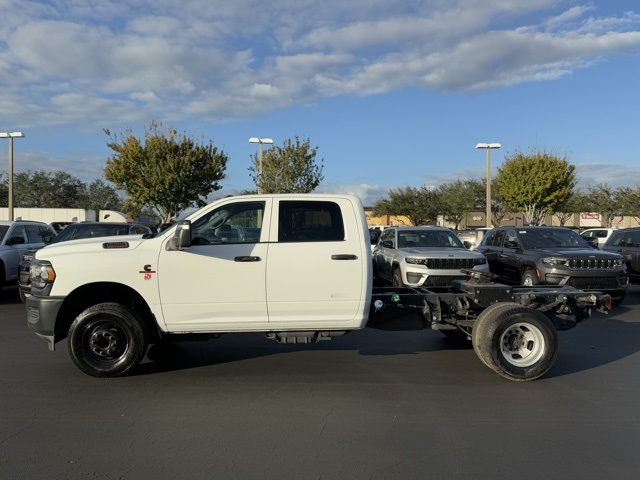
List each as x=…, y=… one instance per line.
x=260, y=140
x=488, y=145
x=11, y=134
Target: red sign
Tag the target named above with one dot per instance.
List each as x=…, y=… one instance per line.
x=590, y=216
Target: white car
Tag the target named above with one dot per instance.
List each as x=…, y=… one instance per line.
x=597, y=236
x=423, y=257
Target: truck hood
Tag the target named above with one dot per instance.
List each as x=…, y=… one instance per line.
x=97, y=244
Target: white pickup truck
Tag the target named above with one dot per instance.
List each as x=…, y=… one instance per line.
x=296, y=267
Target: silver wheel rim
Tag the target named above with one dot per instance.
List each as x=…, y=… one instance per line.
x=528, y=281
x=522, y=344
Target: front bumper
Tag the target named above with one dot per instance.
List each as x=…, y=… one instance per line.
x=42, y=313
x=420, y=276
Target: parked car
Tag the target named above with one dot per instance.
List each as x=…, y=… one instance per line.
x=597, y=236
x=75, y=231
x=471, y=238
x=626, y=242
x=59, y=226
x=553, y=256
x=422, y=256
x=18, y=237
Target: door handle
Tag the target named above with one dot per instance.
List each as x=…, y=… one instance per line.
x=247, y=259
x=344, y=256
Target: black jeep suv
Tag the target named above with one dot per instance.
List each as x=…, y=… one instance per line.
x=553, y=256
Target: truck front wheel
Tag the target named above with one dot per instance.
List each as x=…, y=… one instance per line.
x=107, y=340
x=517, y=342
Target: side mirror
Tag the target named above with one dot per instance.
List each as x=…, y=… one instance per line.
x=593, y=244
x=47, y=239
x=388, y=244
x=510, y=244
x=467, y=244
x=182, y=237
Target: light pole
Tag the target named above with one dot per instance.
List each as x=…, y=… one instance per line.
x=11, y=136
x=261, y=141
x=488, y=147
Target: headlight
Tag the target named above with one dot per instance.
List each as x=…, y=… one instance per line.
x=554, y=261
x=479, y=261
x=40, y=274
x=619, y=262
x=416, y=261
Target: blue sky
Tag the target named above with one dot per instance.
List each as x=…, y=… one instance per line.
x=392, y=92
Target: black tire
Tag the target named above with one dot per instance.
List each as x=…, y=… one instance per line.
x=517, y=342
x=396, y=280
x=378, y=281
x=107, y=340
x=530, y=278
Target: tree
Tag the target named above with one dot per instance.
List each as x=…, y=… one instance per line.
x=100, y=196
x=166, y=171
x=288, y=169
x=629, y=199
x=576, y=203
x=457, y=199
x=419, y=205
x=608, y=202
x=42, y=189
x=536, y=183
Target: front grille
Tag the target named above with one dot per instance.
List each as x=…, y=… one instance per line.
x=591, y=264
x=450, y=263
x=441, y=280
x=597, y=283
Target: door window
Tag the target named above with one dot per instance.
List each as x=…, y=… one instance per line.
x=20, y=232
x=239, y=222
x=496, y=240
x=308, y=221
x=37, y=233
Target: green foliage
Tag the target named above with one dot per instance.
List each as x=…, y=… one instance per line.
x=457, y=199
x=98, y=195
x=43, y=189
x=166, y=171
x=291, y=168
x=611, y=203
x=630, y=200
x=419, y=205
x=536, y=183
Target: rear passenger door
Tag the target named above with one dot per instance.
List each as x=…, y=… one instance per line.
x=316, y=268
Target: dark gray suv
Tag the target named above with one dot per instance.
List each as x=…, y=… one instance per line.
x=553, y=256
x=626, y=242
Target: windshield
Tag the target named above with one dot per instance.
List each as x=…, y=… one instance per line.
x=551, y=238
x=73, y=232
x=428, y=238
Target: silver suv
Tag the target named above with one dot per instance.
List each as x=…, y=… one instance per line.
x=422, y=257
x=16, y=238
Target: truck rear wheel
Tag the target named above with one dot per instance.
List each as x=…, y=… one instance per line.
x=107, y=340
x=517, y=342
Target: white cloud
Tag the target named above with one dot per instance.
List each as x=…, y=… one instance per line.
x=225, y=60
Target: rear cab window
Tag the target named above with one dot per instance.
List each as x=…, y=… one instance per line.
x=310, y=221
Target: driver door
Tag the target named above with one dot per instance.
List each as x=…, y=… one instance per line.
x=218, y=284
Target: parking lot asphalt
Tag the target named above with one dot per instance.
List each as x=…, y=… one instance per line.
x=369, y=405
